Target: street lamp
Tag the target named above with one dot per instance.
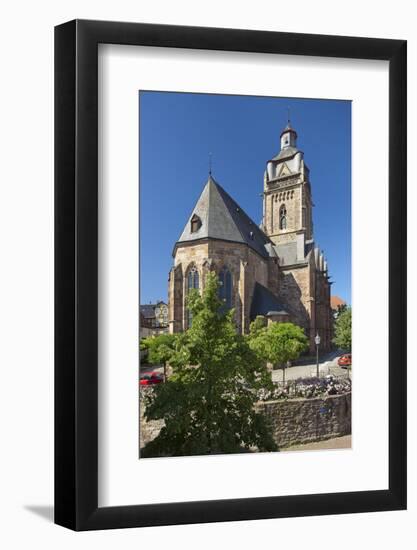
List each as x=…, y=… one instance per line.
x=317, y=341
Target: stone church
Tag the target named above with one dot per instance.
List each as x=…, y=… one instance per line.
x=275, y=270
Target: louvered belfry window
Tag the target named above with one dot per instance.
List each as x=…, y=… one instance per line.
x=283, y=217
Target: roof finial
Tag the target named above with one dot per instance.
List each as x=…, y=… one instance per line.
x=210, y=162
x=288, y=115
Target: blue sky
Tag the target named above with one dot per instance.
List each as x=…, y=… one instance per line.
x=177, y=133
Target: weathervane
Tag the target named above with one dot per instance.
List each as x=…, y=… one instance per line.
x=288, y=115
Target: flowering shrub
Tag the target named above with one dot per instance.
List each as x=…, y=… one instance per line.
x=307, y=388
x=300, y=388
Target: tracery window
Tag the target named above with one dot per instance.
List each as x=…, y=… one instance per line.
x=193, y=281
x=225, y=288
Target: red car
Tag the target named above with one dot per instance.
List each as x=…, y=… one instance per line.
x=345, y=361
x=151, y=378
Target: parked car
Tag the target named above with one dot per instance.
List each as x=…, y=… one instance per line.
x=345, y=360
x=150, y=378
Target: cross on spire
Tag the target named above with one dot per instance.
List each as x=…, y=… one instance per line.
x=210, y=163
x=288, y=115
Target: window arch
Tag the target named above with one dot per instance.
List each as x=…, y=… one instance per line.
x=283, y=217
x=225, y=288
x=193, y=281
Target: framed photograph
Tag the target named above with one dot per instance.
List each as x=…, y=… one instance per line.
x=230, y=253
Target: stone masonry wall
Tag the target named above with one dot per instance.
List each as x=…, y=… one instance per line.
x=147, y=430
x=293, y=421
x=296, y=293
x=290, y=198
x=245, y=265
x=304, y=420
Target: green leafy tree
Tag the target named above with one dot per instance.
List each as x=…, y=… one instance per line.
x=277, y=343
x=257, y=326
x=343, y=330
x=160, y=349
x=208, y=402
x=340, y=309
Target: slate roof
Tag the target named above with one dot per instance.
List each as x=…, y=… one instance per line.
x=287, y=152
x=287, y=253
x=148, y=311
x=264, y=302
x=222, y=218
x=309, y=247
x=288, y=128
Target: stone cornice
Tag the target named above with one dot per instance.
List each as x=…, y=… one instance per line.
x=284, y=182
x=207, y=240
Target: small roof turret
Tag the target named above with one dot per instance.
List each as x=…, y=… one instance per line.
x=288, y=137
x=288, y=128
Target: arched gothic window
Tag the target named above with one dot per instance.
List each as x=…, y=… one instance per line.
x=193, y=278
x=225, y=288
x=193, y=281
x=283, y=217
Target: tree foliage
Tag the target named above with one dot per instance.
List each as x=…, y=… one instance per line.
x=159, y=347
x=343, y=330
x=277, y=343
x=340, y=309
x=257, y=326
x=207, y=403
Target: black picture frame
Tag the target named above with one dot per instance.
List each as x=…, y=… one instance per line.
x=76, y=272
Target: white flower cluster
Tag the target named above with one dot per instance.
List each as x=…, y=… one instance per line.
x=307, y=388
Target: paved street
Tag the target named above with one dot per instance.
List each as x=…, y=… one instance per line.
x=344, y=442
x=327, y=365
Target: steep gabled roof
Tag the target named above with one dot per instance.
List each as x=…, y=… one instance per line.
x=264, y=302
x=222, y=218
x=148, y=311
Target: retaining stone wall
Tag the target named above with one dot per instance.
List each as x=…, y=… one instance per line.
x=304, y=420
x=293, y=421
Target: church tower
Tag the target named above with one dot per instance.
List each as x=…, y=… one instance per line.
x=288, y=221
x=287, y=203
